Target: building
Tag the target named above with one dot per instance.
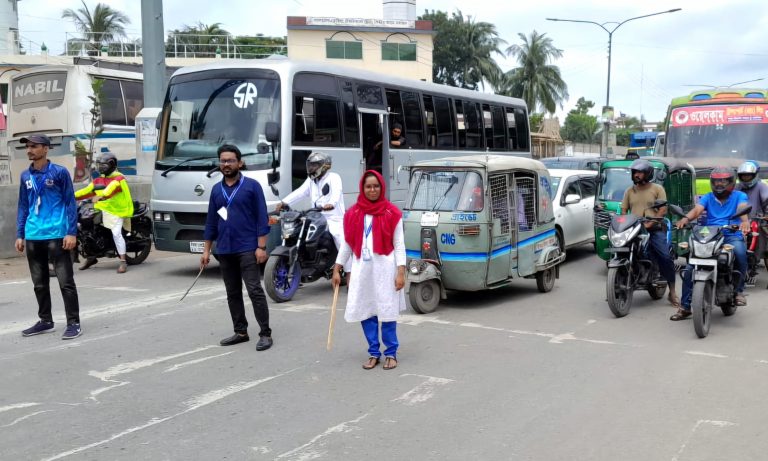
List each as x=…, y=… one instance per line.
x=397, y=44
x=9, y=27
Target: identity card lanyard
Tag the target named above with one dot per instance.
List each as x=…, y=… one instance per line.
x=366, y=253
x=223, y=210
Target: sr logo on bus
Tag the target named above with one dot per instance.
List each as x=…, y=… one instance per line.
x=245, y=95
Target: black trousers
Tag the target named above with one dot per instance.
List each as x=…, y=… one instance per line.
x=238, y=268
x=39, y=252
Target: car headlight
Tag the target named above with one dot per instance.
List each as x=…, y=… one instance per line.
x=704, y=250
x=619, y=239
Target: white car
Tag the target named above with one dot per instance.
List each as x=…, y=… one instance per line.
x=573, y=202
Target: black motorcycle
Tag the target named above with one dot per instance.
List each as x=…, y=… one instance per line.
x=714, y=276
x=630, y=268
x=95, y=240
x=307, y=253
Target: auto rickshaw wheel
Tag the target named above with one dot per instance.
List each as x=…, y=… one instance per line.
x=424, y=296
x=545, y=280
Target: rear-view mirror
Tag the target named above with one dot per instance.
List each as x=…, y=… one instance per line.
x=272, y=132
x=570, y=199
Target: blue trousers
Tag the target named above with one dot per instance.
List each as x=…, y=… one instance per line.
x=739, y=251
x=658, y=250
x=388, y=336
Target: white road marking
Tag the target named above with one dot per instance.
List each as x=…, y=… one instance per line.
x=14, y=282
x=591, y=322
x=706, y=354
x=696, y=427
x=192, y=405
x=196, y=361
x=307, y=451
x=422, y=392
x=18, y=405
x=261, y=450
x=18, y=420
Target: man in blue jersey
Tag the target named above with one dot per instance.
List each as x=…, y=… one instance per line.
x=237, y=222
x=47, y=227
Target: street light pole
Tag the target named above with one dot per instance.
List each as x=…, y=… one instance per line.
x=606, y=126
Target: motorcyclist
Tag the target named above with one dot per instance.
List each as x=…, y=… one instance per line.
x=720, y=204
x=638, y=199
x=331, y=200
x=112, y=196
x=756, y=190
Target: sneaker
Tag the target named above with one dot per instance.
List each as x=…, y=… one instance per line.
x=73, y=331
x=39, y=327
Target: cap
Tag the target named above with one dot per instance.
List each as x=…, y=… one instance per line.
x=37, y=139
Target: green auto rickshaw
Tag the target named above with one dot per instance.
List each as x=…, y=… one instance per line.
x=476, y=223
x=677, y=177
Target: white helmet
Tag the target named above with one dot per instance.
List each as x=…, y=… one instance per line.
x=317, y=164
x=746, y=169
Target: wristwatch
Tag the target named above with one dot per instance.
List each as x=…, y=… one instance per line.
x=261, y=248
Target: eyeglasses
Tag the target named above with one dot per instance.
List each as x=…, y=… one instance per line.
x=228, y=161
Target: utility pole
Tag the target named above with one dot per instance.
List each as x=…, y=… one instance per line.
x=153, y=52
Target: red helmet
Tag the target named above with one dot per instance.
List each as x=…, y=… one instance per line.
x=722, y=180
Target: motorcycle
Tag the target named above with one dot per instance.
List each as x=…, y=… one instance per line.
x=758, y=230
x=714, y=277
x=307, y=253
x=95, y=240
x=630, y=268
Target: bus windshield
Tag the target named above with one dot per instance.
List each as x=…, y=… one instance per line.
x=735, y=130
x=203, y=114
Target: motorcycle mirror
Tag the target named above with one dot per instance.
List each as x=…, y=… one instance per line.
x=677, y=210
x=742, y=212
x=659, y=204
x=326, y=189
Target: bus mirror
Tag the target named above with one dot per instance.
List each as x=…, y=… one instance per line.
x=272, y=132
x=273, y=178
x=159, y=120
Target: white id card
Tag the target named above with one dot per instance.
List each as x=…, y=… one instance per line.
x=366, y=254
x=223, y=213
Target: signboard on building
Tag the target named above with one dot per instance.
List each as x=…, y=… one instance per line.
x=361, y=22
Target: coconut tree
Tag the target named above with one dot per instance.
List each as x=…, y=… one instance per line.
x=99, y=26
x=537, y=80
x=200, y=39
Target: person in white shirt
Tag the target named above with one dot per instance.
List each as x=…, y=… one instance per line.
x=323, y=189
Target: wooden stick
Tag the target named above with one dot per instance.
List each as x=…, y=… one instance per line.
x=333, y=317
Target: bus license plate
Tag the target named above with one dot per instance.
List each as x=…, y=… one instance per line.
x=196, y=247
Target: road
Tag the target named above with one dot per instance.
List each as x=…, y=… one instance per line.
x=509, y=374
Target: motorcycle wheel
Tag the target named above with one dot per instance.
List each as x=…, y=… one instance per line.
x=729, y=309
x=279, y=283
x=133, y=258
x=657, y=292
x=618, y=290
x=702, y=307
x=545, y=280
x=424, y=296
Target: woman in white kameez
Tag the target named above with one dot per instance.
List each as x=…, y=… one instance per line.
x=374, y=252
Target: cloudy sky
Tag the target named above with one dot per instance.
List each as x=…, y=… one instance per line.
x=709, y=42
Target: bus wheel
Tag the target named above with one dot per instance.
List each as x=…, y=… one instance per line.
x=280, y=282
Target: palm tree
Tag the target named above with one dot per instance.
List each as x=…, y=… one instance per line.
x=99, y=26
x=536, y=81
x=480, y=41
x=201, y=39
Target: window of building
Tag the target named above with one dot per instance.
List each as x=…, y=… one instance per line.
x=316, y=121
x=398, y=51
x=337, y=49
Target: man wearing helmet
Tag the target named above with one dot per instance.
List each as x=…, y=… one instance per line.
x=720, y=204
x=112, y=196
x=323, y=188
x=638, y=199
x=756, y=190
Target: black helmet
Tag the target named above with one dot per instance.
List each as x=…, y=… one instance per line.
x=642, y=166
x=725, y=181
x=106, y=163
x=317, y=164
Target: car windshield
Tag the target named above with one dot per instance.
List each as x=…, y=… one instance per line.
x=615, y=181
x=446, y=191
x=201, y=115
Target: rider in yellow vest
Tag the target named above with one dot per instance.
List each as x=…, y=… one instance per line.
x=112, y=196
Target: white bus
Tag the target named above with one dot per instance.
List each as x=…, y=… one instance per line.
x=54, y=100
x=341, y=111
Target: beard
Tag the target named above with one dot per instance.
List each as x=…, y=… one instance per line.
x=230, y=173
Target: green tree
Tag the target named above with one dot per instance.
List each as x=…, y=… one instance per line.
x=199, y=40
x=536, y=80
x=579, y=126
x=582, y=106
x=463, y=49
x=99, y=26
x=535, y=120
x=259, y=46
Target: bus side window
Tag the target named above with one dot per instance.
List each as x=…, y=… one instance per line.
x=488, y=127
x=512, y=129
x=444, y=123
x=112, y=106
x=474, y=128
x=351, y=130
x=316, y=121
x=499, y=134
x=461, y=127
x=414, y=133
x=521, y=121
x=134, y=99
x=429, y=116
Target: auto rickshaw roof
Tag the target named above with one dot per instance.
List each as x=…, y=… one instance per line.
x=672, y=164
x=489, y=162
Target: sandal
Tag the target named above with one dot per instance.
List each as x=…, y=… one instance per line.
x=371, y=363
x=674, y=300
x=741, y=300
x=681, y=314
x=390, y=363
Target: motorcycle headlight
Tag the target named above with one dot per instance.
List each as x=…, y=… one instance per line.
x=287, y=228
x=704, y=250
x=619, y=239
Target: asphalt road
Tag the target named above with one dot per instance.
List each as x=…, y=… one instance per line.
x=509, y=374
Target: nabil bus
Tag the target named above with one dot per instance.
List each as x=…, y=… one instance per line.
x=344, y=112
x=722, y=126
x=55, y=100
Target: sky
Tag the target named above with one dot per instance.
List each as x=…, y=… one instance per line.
x=708, y=42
